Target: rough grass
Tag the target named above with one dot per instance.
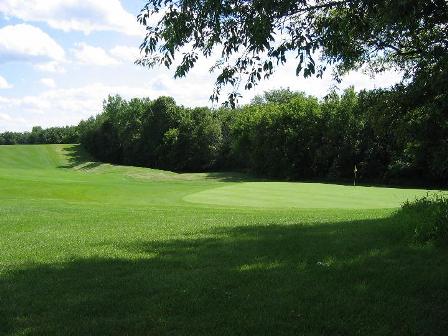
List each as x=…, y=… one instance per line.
x=94, y=249
x=427, y=218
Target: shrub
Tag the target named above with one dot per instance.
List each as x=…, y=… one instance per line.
x=428, y=218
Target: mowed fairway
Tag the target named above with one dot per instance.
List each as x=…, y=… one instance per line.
x=95, y=249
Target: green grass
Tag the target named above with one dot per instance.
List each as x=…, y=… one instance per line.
x=96, y=249
x=305, y=195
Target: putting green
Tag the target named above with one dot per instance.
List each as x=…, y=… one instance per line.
x=304, y=195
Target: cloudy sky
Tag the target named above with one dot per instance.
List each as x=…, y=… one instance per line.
x=60, y=58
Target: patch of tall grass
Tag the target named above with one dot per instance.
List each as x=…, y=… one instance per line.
x=428, y=218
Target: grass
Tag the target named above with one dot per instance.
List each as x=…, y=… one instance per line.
x=95, y=249
x=305, y=195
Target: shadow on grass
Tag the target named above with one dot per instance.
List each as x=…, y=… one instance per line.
x=76, y=155
x=230, y=177
x=349, y=278
x=363, y=183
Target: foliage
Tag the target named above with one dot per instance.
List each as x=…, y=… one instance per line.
x=156, y=134
x=52, y=135
x=250, y=39
x=409, y=35
x=428, y=218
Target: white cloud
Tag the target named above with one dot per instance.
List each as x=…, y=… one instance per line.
x=285, y=77
x=4, y=83
x=52, y=66
x=11, y=123
x=60, y=107
x=23, y=42
x=75, y=15
x=5, y=117
x=194, y=90
x=361, y=80
x=87, y=54
x=125, y=53
x=48, y=82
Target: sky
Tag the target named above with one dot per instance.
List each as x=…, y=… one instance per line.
x=59, y=59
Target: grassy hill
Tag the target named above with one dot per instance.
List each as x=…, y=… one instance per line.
x=96, y=249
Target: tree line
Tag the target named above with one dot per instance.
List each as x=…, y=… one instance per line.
x=38, y=135
x=281, y=134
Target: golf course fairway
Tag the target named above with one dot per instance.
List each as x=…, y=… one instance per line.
x=88, y=248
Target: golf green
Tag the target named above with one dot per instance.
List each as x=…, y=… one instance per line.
x=304, y=195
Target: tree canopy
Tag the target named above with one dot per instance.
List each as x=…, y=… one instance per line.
x=250, y=39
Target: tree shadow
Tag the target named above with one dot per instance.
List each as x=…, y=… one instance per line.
x=76, y=155
x=363, y=183
x=79, y=158
x=228, y=177
x=346, y=278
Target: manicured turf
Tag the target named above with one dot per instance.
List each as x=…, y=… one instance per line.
x=95, y=249
x=305, y=195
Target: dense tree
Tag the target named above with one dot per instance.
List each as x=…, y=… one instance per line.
x=158, y=134
x=194, y=144
x=38, y=135
x=13, y=138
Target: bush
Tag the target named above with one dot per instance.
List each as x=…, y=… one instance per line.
x=428, y=218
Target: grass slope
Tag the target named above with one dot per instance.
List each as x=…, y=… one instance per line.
x=96, y=249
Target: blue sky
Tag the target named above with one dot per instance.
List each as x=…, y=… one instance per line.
x=60, y=58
